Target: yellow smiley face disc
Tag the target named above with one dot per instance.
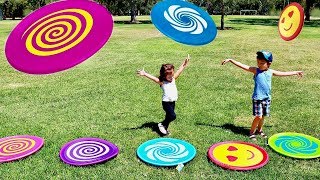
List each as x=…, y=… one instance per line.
x=237, y=155
x=291, y=21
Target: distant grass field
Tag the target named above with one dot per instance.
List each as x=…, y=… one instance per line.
x=103, y=97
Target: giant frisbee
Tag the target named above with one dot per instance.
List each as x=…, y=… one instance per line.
x=18, y=147
x=184, y=22
x=295, y=145
x=58, y=36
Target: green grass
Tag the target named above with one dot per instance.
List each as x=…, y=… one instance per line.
x=103, y=97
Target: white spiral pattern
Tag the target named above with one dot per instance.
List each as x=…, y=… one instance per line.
x=175, y=15
x=166, y=151
x=86, y=151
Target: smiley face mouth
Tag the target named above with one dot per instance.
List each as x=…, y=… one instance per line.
x=252, y=155
x=288, y=28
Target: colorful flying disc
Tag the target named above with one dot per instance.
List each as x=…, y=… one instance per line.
x=17, y=147
x=58, y=36
x=87, y=151
x=166, y=152
x=291, y=21
x=237, y=155
x=295, y=145
x=183, y=22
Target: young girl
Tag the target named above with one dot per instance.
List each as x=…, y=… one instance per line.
x=261, y=97
x=167, y=82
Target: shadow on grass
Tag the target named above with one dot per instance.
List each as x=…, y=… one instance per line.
x=5, y=32
x=151, y=125
x=269, y=22
x=128, y=22
x=253, y=21
x=150, y=22
x=228, y=126
x=235, y=129
x=95, y=165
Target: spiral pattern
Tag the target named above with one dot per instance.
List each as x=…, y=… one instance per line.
x=185, y=19
x=297, y=145
x=86, y=151
x=16, y=146
x=58, y=32
x=166, y=151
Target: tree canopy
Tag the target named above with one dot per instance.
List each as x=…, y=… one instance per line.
x=17, y=8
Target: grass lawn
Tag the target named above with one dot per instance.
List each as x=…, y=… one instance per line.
x=104, y=98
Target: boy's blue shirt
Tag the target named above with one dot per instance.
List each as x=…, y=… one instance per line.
x=262, y=85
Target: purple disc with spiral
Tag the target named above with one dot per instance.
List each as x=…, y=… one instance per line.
x=87, y=151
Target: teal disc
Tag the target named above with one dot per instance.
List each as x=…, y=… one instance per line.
x=166, y=152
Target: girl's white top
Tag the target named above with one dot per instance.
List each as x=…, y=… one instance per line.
x=170, y=92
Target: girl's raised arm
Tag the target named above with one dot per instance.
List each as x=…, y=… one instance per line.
x=149, y=76
x=182, y=66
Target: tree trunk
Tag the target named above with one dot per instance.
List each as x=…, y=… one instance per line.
x=5, y=9
x=133, y=12
x=222, y=15
x=1, y=16
x=133, y=16
x=307, y=11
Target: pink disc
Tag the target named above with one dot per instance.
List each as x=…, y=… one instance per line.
x=58, y=36
x=17, y=147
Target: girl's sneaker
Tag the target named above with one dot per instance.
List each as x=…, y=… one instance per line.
x=261, y=133
x=253, y=137
x=162, y=129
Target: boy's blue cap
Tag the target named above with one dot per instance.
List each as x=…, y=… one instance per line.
x=266, y=55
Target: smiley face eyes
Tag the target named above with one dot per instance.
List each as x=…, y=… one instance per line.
x=232, y=158
x=290, y=14
x=232, y=148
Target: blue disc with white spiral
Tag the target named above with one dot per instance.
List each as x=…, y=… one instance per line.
x=183, y=22
x=166, y=152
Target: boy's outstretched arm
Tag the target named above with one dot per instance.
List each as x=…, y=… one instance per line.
x=181, y=68
x=288, y=73
x=240, y=65
x=149, y=76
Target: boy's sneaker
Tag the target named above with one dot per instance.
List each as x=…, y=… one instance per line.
x=162, y=129
x=253, y=137
x=261, y=133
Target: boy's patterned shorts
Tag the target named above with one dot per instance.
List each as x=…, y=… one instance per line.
x=261, y=107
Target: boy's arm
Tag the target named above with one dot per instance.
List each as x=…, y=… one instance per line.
x=289, y=73
x=240, y=65
x=181, y=68
x=149, y=76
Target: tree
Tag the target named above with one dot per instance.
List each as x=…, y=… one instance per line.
x=222, y=15
x=35, y=4
x=310, y=4
x=18, y=9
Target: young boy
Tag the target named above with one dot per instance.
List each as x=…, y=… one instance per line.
x=261, y=97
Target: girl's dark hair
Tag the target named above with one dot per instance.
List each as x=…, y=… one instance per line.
x=164, y=70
